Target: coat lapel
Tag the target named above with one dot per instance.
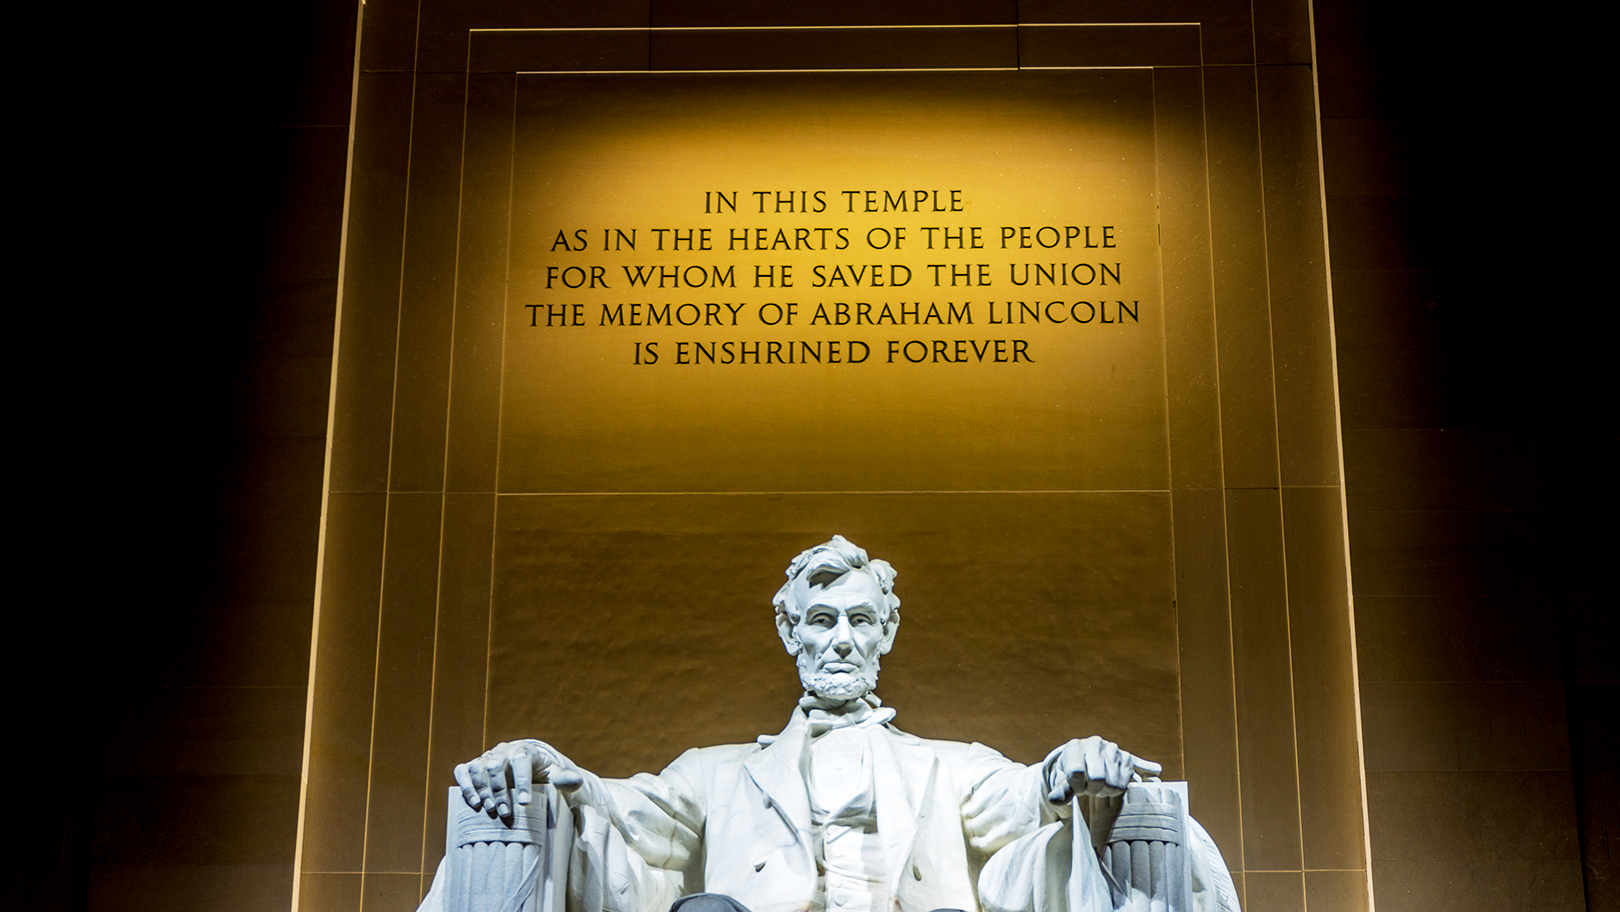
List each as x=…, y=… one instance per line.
x=905, y=788
x=904, y=770
x=778, y=771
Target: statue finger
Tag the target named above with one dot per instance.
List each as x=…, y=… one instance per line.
x=469, y=792
x=1109, y=775
x=1091, y=783
x=1121, y=771
x=499, y=800
x=522, y=779
x=1146, y=766
x=565, y=779
x=1060, y=794
x=1096, y=766
x=478, y=777
x=1071, y=763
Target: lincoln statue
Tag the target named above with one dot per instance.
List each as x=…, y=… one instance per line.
x=841, y=811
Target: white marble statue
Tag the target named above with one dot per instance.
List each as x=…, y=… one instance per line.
x=841, y=811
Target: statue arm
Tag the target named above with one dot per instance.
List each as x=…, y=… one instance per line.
x=661, y=817
x=504, y=778
x=1091, y=768
x=1001, y=800
x=645, y=810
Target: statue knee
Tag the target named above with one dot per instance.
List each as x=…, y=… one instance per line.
x=707, y=902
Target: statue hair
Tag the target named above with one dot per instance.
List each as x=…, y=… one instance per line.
x=827, y=562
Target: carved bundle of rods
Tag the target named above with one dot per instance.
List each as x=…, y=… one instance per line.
x=498, y=867
x=1144, y=855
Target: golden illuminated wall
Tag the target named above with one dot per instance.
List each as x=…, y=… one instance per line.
x=581, y=419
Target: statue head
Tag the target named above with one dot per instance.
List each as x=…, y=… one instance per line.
x=836, y=614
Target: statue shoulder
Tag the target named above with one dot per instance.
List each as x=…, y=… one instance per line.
x=966, y=753
x=718, y=756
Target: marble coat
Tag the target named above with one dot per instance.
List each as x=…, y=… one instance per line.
x=736, y=819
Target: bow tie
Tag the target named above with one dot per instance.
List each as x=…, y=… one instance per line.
x=825, y=715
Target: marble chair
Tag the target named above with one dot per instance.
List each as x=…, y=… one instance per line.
x=494, y=866
x=1138, y=842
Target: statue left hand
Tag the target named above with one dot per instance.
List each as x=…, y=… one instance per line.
x=1092, y=767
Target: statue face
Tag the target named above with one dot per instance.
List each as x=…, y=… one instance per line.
x=840, y=634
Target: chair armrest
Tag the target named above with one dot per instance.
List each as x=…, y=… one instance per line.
x=495, y=866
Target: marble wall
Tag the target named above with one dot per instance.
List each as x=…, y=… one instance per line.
x=1469, y=443
x=1481, y=620
x=448, y=614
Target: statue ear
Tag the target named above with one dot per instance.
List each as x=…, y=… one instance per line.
x=784, y=629
x=891, y=626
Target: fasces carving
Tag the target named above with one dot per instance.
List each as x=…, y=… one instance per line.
x=839, y=812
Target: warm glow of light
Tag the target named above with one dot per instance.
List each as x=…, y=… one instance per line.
x=1024, y=149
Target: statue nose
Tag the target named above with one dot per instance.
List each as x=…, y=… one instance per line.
x=843, y=637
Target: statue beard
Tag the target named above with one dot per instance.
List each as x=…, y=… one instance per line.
x=838, y=687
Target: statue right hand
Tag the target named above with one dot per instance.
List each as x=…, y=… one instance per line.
x=504, y=776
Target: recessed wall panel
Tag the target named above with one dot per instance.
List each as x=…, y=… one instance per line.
x=823, y=282
x=1059, y=604
x=1014, y=330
